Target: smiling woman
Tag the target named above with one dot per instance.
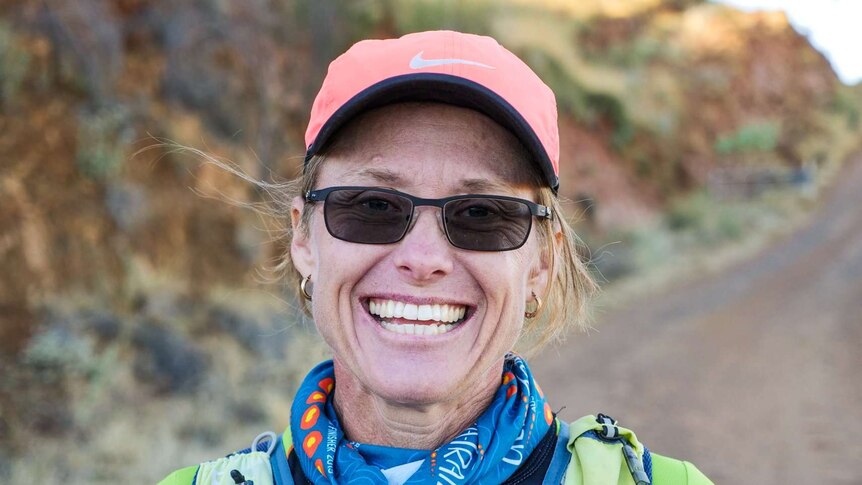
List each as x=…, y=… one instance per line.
x=427, y=241
x=430, y=150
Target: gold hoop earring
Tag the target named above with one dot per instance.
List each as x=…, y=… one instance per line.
x=532, y=314
x=303, y=287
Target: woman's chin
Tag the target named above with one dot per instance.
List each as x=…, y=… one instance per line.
x=415, y=382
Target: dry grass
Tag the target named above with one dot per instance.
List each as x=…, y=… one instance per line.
x=122, y=428
x=665, y=258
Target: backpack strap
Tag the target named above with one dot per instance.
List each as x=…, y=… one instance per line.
x=603, y=452
x=611, y=432
x=281, y=461
x=250, y=466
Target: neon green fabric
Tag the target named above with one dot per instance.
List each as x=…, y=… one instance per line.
x=596, y=461
x=254, y=466
x=667, y=471
x=599, y=462
x=183, y=476
x=287, y=441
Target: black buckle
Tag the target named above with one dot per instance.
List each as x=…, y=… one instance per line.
x=609, y=429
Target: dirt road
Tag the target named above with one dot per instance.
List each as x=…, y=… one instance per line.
x=755, y=375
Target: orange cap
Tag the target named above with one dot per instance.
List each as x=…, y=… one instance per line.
x=466, y=70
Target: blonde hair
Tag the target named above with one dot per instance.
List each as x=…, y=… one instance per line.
x=571, y=287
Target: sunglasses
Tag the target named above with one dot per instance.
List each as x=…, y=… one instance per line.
x=370, y=215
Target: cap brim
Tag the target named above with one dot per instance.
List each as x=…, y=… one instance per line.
x=442, y=88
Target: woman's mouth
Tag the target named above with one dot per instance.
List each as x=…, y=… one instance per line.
x=412, y=319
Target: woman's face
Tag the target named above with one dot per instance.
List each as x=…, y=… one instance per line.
x=430, y=151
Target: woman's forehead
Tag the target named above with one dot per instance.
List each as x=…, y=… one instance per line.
x=462, y=179
x=405, y=144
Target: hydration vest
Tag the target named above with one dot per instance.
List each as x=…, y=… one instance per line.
x=590, y=451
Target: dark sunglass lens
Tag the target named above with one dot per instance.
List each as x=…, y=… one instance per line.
x=486, y=224
x=367, y=216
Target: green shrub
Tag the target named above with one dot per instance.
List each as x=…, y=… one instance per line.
x=60, y=349
x=103, y=136
x=635, y=53
x=753, y=137
x=650, y=246
x=14, y=62
x=703, y=220
x=587, y=106
x=168, y=360
x=601, y=105
x=682, y=216
x=847, y=104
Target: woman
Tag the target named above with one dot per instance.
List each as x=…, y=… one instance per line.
x=427, y=241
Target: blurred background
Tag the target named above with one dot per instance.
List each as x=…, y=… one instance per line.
x=709, y=157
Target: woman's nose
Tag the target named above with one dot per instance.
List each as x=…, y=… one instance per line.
x=424, y=254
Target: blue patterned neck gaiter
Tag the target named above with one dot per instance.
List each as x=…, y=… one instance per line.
x=489, y=451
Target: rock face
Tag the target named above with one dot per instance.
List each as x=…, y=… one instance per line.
x=121, y=266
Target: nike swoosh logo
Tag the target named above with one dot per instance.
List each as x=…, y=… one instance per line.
x=419, y=63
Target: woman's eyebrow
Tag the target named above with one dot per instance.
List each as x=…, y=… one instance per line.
x=390, y=178
x=484, y=185
x=382, y=175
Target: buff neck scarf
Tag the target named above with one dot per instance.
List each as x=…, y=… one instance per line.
x=489, y=451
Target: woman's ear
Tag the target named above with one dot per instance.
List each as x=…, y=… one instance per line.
x=541, y=272
x=304, y=258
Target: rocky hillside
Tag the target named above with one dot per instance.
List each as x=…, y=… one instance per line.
x=125, y=308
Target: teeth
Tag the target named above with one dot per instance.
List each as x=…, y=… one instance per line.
x=412, y=329
x=419, y=313
x=411, y=311
x=424, y=313
x=449, y=314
